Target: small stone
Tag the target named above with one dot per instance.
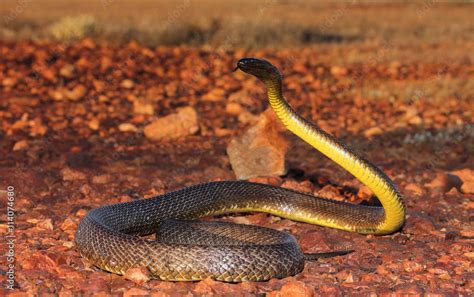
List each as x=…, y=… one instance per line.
x=469, y=255
x=142, y=106
x=69, y=174
x=415, y=189
x=127, y=83
x=85, y=190
x=77, y=93
x=466, y=176
x=418, y=223
x=9, y=82
x=127, y=127
x=68, y=244
x=292, y=289
x=94, y=124
x=330, y=192
x=443, y=182
x=204, y=287
x=173, y=126
x=67, y=71
x=246, y=117
x=68, y=225
x=373, y=131
x=20, y=145
x=233, y=108
x=467, y=232
x=102, y=179
x=260, y=151
x=45, y=224
x=314, y=242
x=215, y=95
x=303, y=187
x=364, y=193
x=138, y=275
x=338, y=71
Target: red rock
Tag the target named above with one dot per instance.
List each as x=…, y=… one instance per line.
x=139, y=275
x=216, y=95
x=93, y=286
x=143, y=107
x=20, y=145
x=314, y=242
x=269, y=180
x=412, y=266
x=418, y=223
x=67, y=71
x=364, y=193
x=466, y=175
x=293, y=288
x=329, y=290
x=303, y=187
x=409, y=290
x=177, y=125
x=260, y=151
x=102, y=179
x=415, y=189
x=68, y=225
x=45, y=224
x=233, y=108
x=77, y=93
x=373, y=131
x=69, y=174
x=127, y=83
x=127, y=127
x=9, y=82
x=204, y=287
x=330, y=192
x=444, y=182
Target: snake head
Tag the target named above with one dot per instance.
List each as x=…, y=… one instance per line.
x=262, y=69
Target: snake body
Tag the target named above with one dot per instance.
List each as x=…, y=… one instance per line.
x=188, y=250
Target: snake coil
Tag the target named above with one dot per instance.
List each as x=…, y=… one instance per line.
x=188, y=250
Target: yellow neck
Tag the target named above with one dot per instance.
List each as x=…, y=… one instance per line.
x=368, y=174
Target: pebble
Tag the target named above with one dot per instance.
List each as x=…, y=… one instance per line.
x=127, y=83
x=466, y=176
x=173, y=126
x=142, y=106
x=76, y=93
x=138, y=275
x=127, y=127
x=69, y=174
x=373, y=131
x=20, y=145
x=418, y=223
x=443, y=182
x=293, y=288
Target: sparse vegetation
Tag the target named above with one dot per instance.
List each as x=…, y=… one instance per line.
x=234, y=23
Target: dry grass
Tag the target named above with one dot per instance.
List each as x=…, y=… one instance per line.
x=235, y=23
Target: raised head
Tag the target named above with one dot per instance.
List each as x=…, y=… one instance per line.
x=262, y=69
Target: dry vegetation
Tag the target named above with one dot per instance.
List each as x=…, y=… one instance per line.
x=235, y=23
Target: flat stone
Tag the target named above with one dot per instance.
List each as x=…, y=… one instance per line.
x=173, y=126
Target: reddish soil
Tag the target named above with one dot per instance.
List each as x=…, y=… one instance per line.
x=63, y=152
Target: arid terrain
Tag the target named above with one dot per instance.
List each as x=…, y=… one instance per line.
x=74, y=135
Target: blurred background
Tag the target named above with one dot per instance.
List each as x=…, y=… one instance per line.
x=234, y=23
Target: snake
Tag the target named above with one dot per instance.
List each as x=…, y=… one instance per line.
x=184, y=248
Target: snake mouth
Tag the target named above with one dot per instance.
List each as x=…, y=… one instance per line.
x=260, y=68
x=247, y=64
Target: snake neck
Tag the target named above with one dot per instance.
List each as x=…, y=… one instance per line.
x=370, y=175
